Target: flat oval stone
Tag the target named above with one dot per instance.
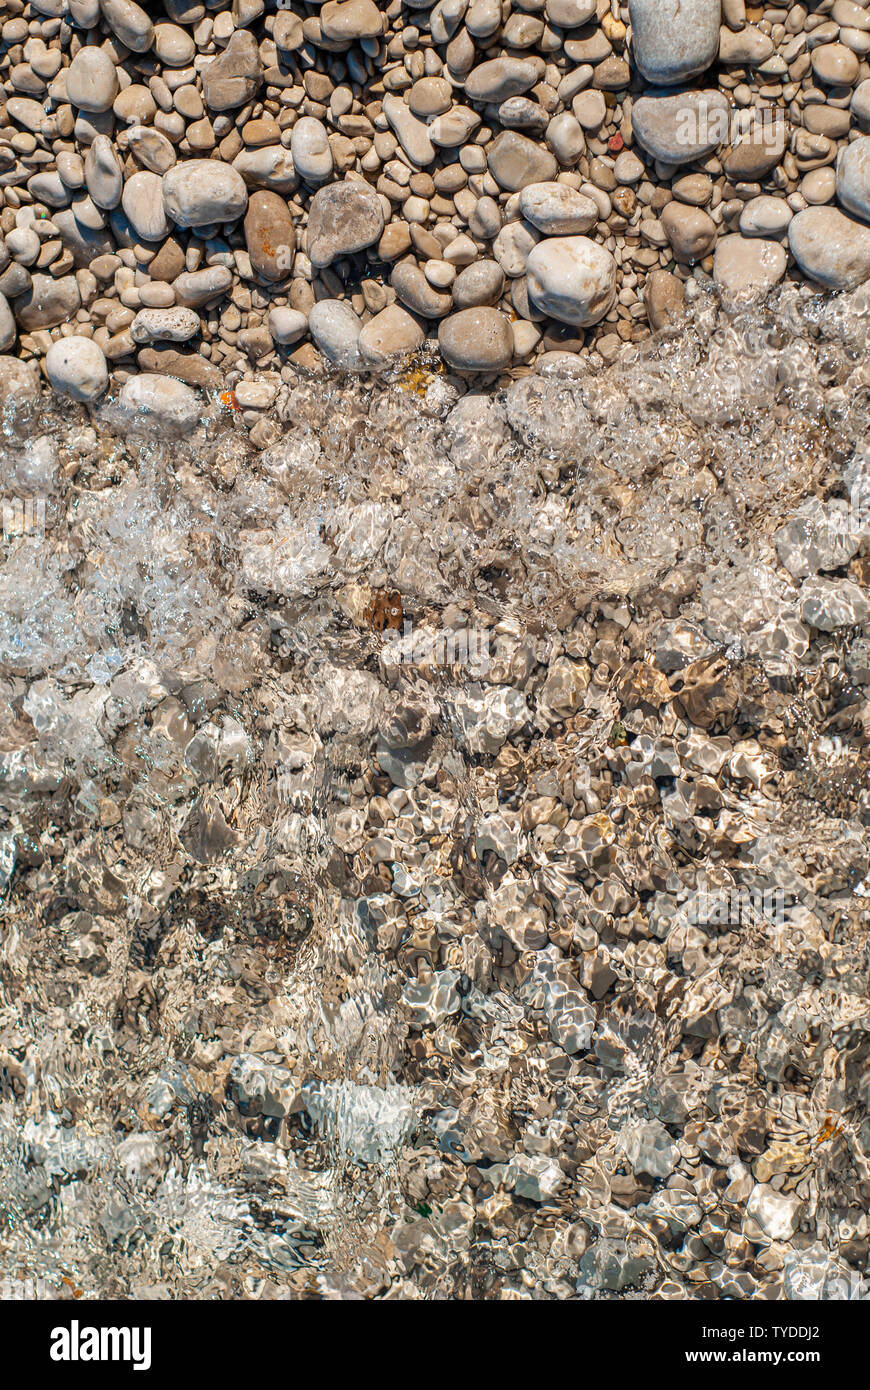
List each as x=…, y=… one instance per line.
x=336, y=329
x=194, y=288
x=48, y=302
x=202, y=191
x=343, y=218
x=414, y=290
x=500, y=78
x=476, y=340
x=270, y=236
x=835, y=64
x=91, y=80
x=77, y=367
x=748, y=267
x=151, y=401
x=830, y=247
x=480, y=283
x=853, y=178
x=130, y=23
x=346, y=21
x=765, y=216
x=310, y=148
x=390, y=333
x=103, y=173
x=557, y=209
x=572, y=279
x=515, y=161
x=673, y=40
x=144, y=203
x=151, y=148
x=682, y=128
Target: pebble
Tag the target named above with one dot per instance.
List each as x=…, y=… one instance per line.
x=390, y=333
x=681, y=129
x=556, y=209
x=343, y=218
x=476, y=340
x=270, y=235
x=480, y=283
x=151, y=401
x=515, y=161
x=674, y=40
x=177, y=325
x=765, y=216
x=287, y=325
x=853, y=178
x=77, y=367
x=8, y=330
x=200, y=192
x=92, y=81
x=830, y=248
x=572, y=279
x=311, y=151
x=48, y=302
x=336, y=330
x=748, y=267
x=143, y=202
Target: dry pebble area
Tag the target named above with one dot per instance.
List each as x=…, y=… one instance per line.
x=224, y=192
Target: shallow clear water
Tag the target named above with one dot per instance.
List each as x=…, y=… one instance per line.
x=263, y=1030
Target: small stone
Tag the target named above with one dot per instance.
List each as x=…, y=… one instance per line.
x=414, y=290
x=835, y=64
x=235, y=76
x=198, y=287
x=336, y=329
x=664, y=298
x=8, y=331
x=556, y=209
x=173, y=45
x=343, y=218
x=130, y=23
x=500, y=78
x=390, y=333
x=143, y=203
x=673, y=40
x=287, y=325
x=202, y=191
x=480, y=283
x=572, y=279
x=515, y=161
x=312, y=155
x=345, y=21
x=77, y=367
x=830, y=248
x=177, y=325
x=853, y=178
x=682, y=129
x=747, y=268
x=690, y=231
x=152, y=401
x=270, y=236
x=91, y=80
x=476, y=340
x=765, y=217
x=48, y=302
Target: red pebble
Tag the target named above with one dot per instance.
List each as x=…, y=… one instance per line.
x=615, y=144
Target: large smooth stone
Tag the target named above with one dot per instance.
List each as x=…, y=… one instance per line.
x=572, y=279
